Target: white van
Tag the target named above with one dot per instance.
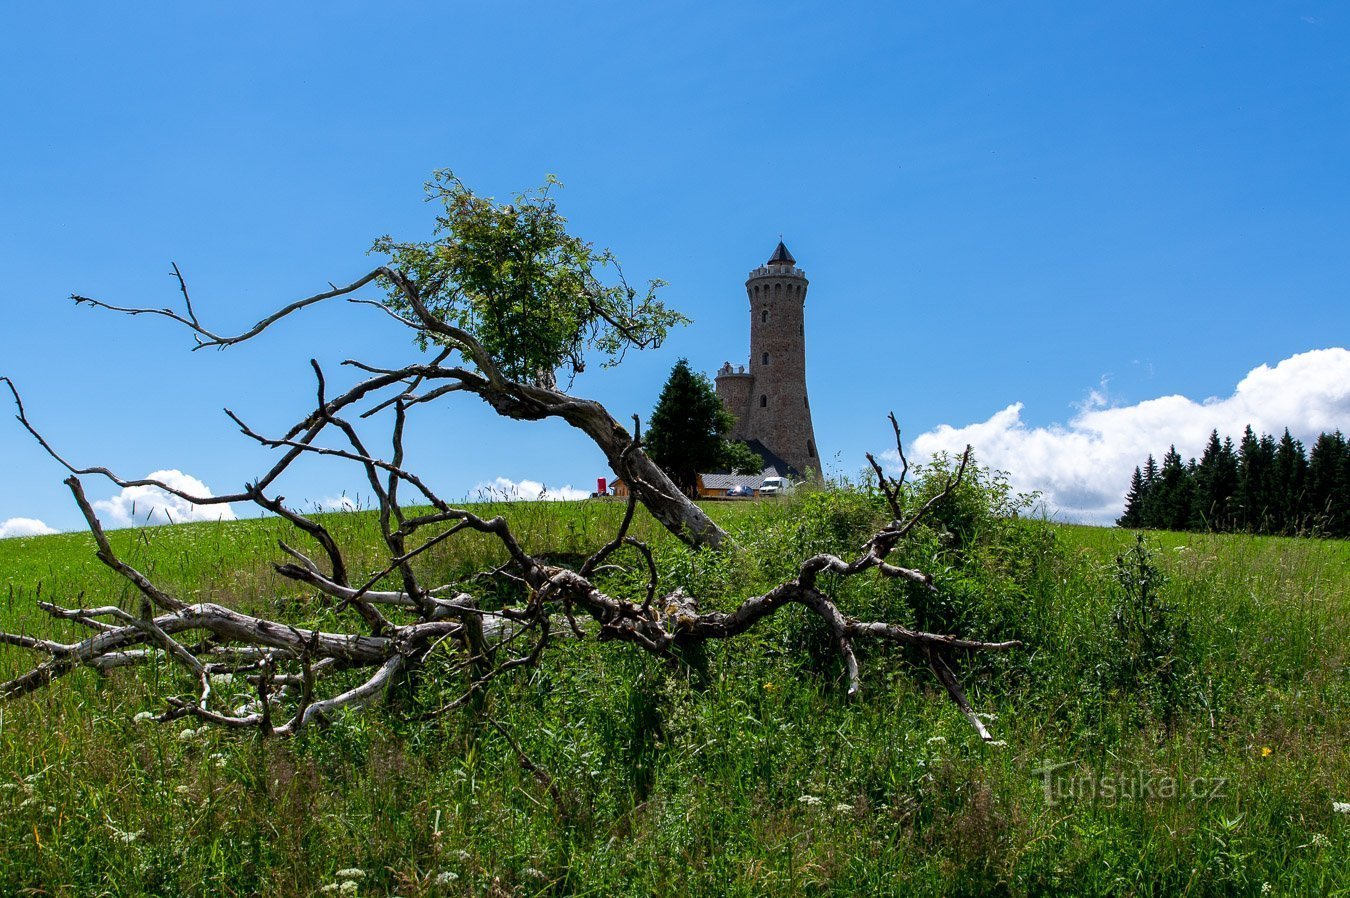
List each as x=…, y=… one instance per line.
x=775, y=486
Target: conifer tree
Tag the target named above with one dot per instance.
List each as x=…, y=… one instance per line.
x=1173, y=493
x=1254, y=471
x=1340, y=497
x=1215, y=482
x=685, y=433
x=1149, y=506
x=1290, y=470
x=1134, y=503
x=1326, y=511
x=1262, y=487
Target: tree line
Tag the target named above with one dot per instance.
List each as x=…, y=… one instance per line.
x=1260, y=486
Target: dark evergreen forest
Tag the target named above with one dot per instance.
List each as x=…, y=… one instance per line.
x=1260, y=486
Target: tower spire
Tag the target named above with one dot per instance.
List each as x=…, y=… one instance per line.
x=781, y=256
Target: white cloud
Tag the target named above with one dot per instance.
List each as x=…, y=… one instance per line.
x=343, y=502
x=1083, y=468
x=140, y=505
x=503, y=489
x=24, y=527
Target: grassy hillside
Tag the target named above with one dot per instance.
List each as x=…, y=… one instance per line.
x=1187, y=739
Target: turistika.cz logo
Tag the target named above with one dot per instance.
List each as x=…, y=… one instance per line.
x=1070, y=781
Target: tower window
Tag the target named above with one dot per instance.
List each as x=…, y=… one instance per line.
x=763, y=315
x=763, y=400
x=810, y=449
x=765, y=358
x=806, y=402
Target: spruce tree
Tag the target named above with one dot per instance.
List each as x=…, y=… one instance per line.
x=1225, y=484
x=1290, y=472
x=1173, y=493
x=1149, y=517
x=1324, y=471
x=1255, y=460
x=1340, y=497
x=1215, y=482
x=1203, y=508
x=685, y=433
x=1134, y=503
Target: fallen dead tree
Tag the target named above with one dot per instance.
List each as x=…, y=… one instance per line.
x=300, y=677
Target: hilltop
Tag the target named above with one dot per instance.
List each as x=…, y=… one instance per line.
x=1199, y=717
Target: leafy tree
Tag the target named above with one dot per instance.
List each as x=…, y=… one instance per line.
x=739, y=458
x=528, y=292
x=685, y=434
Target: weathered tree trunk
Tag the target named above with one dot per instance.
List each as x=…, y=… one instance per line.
x=652, y=487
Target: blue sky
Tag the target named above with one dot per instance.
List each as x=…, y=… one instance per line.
x=1014, y=216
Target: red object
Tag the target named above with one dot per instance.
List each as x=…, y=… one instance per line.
x=600, y=485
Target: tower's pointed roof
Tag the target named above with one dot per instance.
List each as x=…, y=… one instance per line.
x=781, y=256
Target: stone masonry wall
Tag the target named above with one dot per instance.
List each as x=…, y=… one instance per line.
x=770, y=399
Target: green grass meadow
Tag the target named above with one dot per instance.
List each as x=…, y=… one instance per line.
x=1187, y=738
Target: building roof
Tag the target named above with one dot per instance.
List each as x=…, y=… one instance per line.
x=773, y=465
x=781, y=256
x=730, y=481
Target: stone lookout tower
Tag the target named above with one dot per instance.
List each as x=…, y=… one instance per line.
x=768, y=397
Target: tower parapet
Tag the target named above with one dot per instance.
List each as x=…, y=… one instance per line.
x=769, y=399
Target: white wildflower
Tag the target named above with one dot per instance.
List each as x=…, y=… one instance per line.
x=50, y=809
x=937, y=740
x=331, y=887
x=534, y=873
x=219, y=759
x=1267, y=888
x=809, y=800
x=8, y=787
x=1319, y=840
x=125, y=837
x=181, y=789
x=843, y=807
x=144, y=717
x=222, y=679
x=463, y=855
x=351, y=873
x=188, y=735
x=998, y=742
x=348, y=887
x=27, y=802
x=445, y=877
x=1340, y=807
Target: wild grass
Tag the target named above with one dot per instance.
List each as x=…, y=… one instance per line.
x=743, y=771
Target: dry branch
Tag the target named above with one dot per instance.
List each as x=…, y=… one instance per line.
x=303, y=676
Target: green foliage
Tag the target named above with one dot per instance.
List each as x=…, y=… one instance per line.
x=739, y=458
x=1261, y=487
x=1147, y=652
x=685, y=432
x=746, y=775
x=532, y=294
